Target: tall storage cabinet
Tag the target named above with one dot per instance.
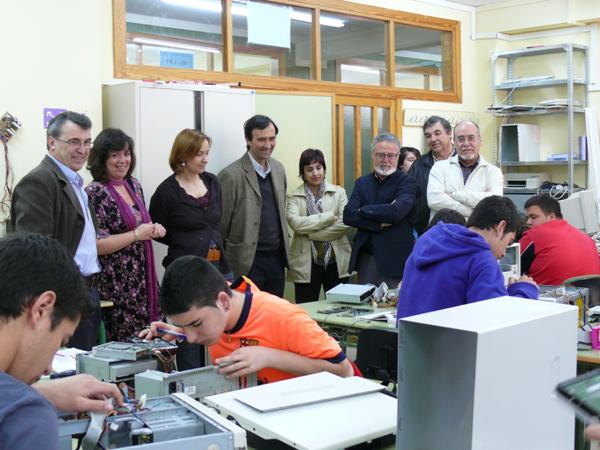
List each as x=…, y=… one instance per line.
x=481, y=376
x=539, y=97
x=153, y=114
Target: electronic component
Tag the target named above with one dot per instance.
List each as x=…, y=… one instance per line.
x=525, y=180
x=112, y=369
x=117, y=361
x=8, y=126
x=355, y=312
x=564, y=294
x=349, y=293
x=197, y=383
x=510, y=263
x=571, y=295
x=131, y=351
x=334, y=310
x=174, y=421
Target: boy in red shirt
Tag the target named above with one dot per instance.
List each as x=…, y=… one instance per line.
x=552, y=250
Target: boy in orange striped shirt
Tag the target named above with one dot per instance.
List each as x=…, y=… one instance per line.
x=246, y=330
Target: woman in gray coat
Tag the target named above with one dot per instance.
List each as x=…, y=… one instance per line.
x=320, y=250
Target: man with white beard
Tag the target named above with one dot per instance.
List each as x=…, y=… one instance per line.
x=379, y=209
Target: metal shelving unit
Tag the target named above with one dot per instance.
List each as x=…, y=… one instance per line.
x=576, y=162
x=574, y=107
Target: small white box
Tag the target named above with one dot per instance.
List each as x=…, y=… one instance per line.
x=519, y=142
x=525, y=180
x=349, y=293
x=482, y=376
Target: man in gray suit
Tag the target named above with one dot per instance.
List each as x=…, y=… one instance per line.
x=50, y=200
x=253, y=223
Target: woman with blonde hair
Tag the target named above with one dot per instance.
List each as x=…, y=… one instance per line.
x=188, y=203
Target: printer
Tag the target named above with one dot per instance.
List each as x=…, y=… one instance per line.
x=525, y=180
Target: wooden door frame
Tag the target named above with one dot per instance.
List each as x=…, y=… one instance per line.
x=395, y=127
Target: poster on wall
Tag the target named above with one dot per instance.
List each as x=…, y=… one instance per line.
x=269, y=25
x=51, y=113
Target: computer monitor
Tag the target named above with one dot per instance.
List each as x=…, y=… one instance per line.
x=580, y=211
x=510, y=263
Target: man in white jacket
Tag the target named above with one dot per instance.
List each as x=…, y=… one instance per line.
x=460, y=182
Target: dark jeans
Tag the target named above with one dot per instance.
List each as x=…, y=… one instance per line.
x=86, y=334
x=368, y=273
x=268, y=272
x=327, y=277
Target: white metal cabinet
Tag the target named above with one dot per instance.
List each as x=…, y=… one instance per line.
x=152, y=114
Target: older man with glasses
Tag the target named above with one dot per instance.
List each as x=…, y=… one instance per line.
x=379, y=209
x=463, y=180
x=50, y=200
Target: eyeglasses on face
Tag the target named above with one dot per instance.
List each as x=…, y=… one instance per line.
x=470, y=138
x=382, y=156
x=77, y=143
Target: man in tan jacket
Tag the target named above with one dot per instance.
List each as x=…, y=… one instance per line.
x=253, y=222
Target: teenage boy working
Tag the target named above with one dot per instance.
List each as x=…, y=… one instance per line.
x=552, y=250
x=42, y=298
x=452, y=265
x=246, y=330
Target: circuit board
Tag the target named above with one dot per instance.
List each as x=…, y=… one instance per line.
x=132, y=351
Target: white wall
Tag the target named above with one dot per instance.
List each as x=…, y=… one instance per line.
x=54, y=54
x=540, y=22
x=60, y=54
x=304, y=121
x=411, y=135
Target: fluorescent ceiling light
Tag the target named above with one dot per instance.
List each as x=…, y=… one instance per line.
x=198, y=4
x=158, y=42
x=362, y=69
x=323, y=20
x=426, y=56
x=239, y=9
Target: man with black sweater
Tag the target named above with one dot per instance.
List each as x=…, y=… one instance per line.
x=253, y=223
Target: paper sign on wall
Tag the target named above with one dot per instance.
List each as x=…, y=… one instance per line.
x=416, y=117
x=269, y=24
x=177, y=59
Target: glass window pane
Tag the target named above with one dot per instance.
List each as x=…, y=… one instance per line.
x=174, y=33
x=271, y=60
x=366, y=133
x=383, y=120
x=423, y=58
x=352, y=49
x=349, y=145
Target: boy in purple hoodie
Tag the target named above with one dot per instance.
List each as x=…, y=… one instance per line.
x=452, y=265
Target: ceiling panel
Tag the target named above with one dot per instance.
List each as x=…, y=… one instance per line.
x=479, y=2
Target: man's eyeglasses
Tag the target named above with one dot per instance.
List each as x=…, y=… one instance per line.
x=77, y=143
x=382, y=156
x=462, y=139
